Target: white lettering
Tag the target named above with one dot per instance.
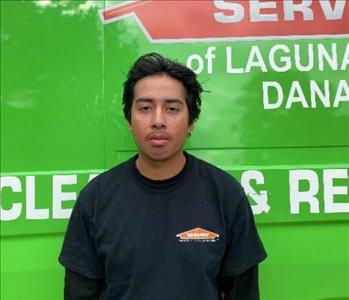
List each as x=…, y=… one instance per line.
x=255, y=11
x=330, y=58
x=266, y=98
x=92, y=176
x=273, y=94
x=315, y=92
x=261, y=198
x=286, y=60
x=297, y=196
x=33, y=213
x=230, y=69
x=296, y=95
x=233, y=12
x=282, y=58
x=255, y=60
x=236, y=9
x=15, y=211
x=345, y=61
x=200, y=63
x=304, y=7
x=297, y=58
x=330, y=190
x=335, y=13
x=342, y=94
x=209, y=57
x=58, y=196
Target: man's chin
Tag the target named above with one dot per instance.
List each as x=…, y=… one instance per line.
x=160, y=155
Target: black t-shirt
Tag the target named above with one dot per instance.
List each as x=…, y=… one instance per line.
x=162, y=240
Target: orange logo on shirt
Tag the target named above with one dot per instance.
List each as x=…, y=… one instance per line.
x=197, y=234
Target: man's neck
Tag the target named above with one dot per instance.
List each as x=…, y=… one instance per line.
x=161, y=169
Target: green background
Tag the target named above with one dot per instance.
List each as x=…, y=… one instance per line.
x=61, y=85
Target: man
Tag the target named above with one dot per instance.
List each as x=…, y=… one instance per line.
x=164, y=224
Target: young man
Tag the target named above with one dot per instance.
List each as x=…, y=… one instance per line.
x=163, y=225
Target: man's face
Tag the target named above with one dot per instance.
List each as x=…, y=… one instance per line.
x=159, y=117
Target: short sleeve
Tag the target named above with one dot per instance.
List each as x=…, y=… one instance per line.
x=245, y=248
x=78, y=252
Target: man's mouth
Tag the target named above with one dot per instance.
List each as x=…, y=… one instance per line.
x=158, y=139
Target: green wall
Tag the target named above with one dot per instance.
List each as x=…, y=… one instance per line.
x=280, y=129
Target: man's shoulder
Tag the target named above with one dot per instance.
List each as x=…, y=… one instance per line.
x=221, y=187
x=116, y=173
x=216, y=175
x=208, y=168
x=102, y=188
x=109, y=179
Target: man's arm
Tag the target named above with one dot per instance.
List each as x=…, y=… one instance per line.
x=243, y=286
x=77, y=286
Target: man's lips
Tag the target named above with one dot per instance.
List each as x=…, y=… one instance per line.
x=158, y=139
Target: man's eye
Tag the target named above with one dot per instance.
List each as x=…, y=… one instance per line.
x=144, y=108
x=172, y=109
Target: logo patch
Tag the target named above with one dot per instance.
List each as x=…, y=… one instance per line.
x=197, y=235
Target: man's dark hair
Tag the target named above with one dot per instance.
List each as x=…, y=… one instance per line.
x=154, y=63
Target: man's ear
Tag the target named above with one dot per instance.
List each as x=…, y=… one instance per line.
x=190, y=128
x=129, y=126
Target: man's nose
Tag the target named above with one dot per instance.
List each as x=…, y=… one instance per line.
x=159, y=118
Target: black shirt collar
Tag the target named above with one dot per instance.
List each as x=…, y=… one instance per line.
x=161, y=185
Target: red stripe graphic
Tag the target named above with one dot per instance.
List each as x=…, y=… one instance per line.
x=202, y=19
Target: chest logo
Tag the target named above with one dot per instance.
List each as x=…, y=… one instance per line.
x=197, y=235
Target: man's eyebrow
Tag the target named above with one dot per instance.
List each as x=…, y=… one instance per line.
x=169, y=100
x=174, y=100
x=143, y=99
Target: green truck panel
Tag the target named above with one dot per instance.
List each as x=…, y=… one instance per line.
x=275, y=115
